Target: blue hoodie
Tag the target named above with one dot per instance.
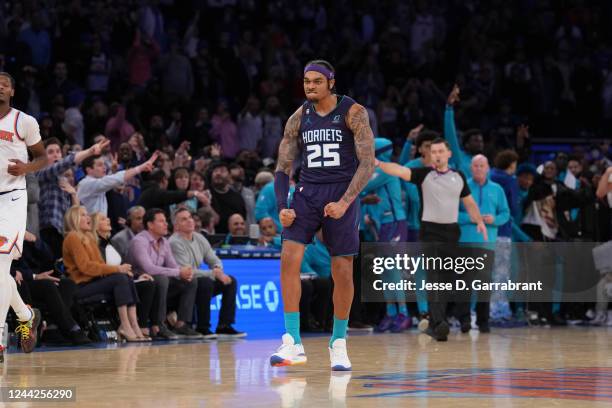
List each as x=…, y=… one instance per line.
x=491, y=200
x=387, y=187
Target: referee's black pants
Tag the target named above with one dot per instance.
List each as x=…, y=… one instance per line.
x=434, y=233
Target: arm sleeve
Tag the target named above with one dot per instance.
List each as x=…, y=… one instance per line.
x=466, y=189
x=281, y=189
x=28, y=129
x=56, y=169
x=83, y=262
x=138, y=252
x=404, y=156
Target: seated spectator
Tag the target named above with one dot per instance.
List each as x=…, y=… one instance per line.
x=268, y=235
x=92, y=189
x=85, y=266
x=150, y=253
x=145, y=285
x=236, y=228
x=209, y=219
x=38, y=286
x=54, y=200
x=133, y=225
x=191, y=248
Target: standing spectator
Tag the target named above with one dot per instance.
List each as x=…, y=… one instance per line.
x=55, y=200
x=99, y=68
x=191, y=248
x=224, y=131
x=140, y=60
x=272, y=128
x=37, y=38
x=250, y=125
x=225, y=201
x=92, y=189
x=176, y=76
x=199, y=132
x=118, y=130
x=150, y=253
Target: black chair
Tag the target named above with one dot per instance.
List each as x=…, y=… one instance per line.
x=97, y=314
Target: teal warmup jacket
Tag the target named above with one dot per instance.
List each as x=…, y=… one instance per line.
x=317, y=259
x=388, y=188
x=491, y=200
x=266, y=204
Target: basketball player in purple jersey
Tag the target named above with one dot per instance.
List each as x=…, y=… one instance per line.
x=337, y=159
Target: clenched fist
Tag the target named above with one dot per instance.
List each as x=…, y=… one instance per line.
x=287, y=216
x=335, y=210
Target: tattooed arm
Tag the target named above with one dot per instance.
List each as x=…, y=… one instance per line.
x=357, y=120
x=286, y=154
x=289, y=144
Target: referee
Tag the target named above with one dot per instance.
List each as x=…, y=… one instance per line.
x=440, y=189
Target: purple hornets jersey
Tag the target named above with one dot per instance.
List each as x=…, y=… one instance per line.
x=328, y=147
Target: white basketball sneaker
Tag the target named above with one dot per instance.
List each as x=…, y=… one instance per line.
x=288, y=353
x=338, y=356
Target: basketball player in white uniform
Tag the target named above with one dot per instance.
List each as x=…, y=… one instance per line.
x=18, y=133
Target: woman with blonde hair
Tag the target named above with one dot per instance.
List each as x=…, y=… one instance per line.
x=85, y=266
x=145, y=285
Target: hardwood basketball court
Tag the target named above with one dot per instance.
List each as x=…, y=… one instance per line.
x=569, y=367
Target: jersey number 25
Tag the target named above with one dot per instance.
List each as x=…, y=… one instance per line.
x=323, y=155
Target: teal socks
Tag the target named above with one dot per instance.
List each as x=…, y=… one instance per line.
x=292, y=326
x=391, y=309
x=339, y=330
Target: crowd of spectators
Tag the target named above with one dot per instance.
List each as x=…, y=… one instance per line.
x=158, y=105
